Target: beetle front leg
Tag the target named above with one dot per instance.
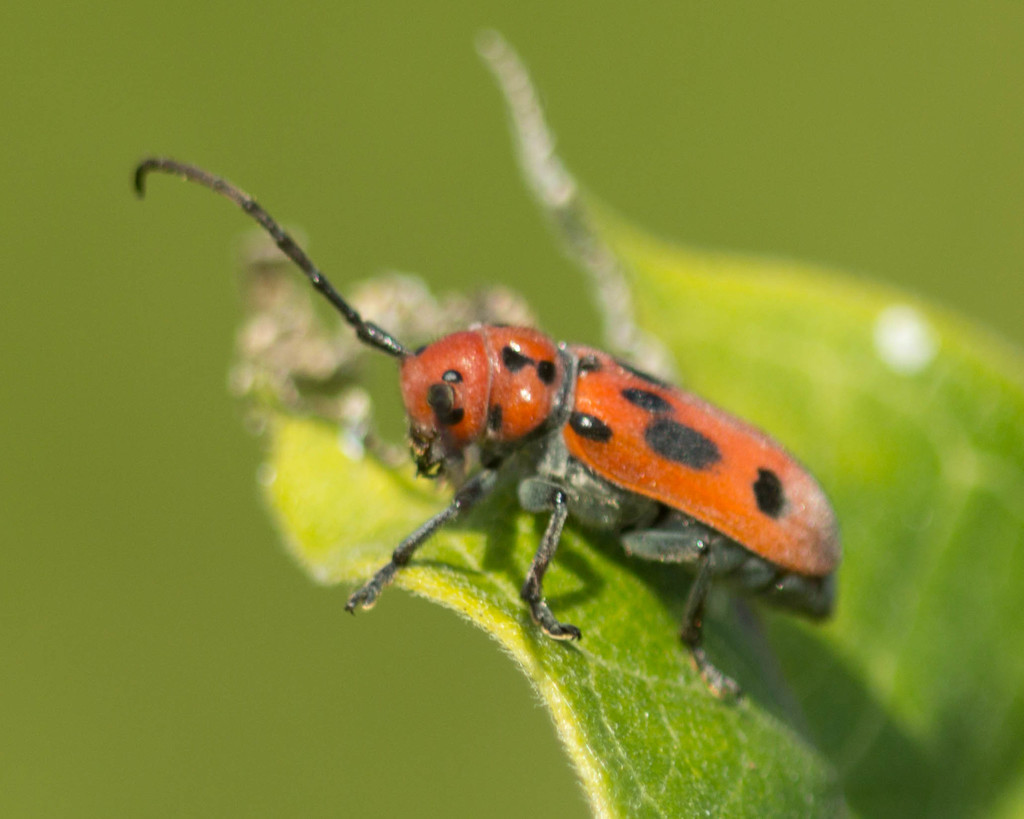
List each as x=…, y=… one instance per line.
x=469, y=495
x=718, y=683
x=533, y=592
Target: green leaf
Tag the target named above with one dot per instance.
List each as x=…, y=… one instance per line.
x=908, y=702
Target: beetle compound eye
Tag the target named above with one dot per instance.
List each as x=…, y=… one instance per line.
x=441, y=397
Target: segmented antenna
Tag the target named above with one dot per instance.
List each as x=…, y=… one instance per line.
x=367, y=331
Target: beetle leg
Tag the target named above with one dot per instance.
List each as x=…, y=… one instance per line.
x=468, y=495
x=533, y=592
x=718, y=683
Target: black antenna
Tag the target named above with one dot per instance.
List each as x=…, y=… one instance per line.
x=366, y=330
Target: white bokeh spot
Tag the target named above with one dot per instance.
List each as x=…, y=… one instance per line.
x=904, y=339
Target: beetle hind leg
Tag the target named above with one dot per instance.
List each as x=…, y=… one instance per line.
x=722, y=686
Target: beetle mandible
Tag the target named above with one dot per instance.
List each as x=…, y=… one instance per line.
x=679, y=479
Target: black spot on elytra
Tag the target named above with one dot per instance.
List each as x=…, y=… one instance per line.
x=646, y=400
x=768, y=492
x=650, y=379
x=589, y=427
x=494, y=418
x=589, y=364
x=682, y=444
x=546, y=371
x=419, y=349
x=514, y=360
x=452, y=376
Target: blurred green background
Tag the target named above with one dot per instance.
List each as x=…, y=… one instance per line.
x=159, y=653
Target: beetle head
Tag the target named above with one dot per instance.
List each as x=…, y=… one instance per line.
x=445, y=388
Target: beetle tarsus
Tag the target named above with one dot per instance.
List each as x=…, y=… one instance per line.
x=722, y=686
x=543, y=617
x=366, y=596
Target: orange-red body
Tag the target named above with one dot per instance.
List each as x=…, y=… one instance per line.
x=665, y=444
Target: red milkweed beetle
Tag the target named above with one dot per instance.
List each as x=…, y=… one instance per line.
x=681, y=480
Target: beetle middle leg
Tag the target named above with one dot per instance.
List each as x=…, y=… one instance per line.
x=537, y=496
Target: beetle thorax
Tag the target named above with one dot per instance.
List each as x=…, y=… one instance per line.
x=488, y=385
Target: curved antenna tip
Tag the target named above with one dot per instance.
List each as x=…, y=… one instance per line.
x=139, y=179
